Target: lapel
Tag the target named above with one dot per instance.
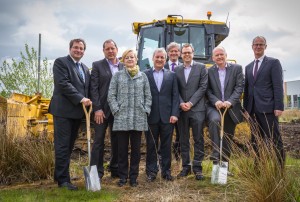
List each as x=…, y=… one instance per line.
x=107, y=69
x=263, y=64
x=151, y=78
x=216, y=76
x=228, y=75
x=250, y=71
x=193, y=69
x=165, y=75
x=76, y=69
x=181, y=74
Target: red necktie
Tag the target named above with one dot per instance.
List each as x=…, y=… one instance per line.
x=255, y=69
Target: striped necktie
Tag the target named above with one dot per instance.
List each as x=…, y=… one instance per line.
x=81, y=73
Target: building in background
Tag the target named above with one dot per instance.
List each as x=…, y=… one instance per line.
x=292, y=94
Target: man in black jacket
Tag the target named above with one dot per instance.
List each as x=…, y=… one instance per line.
x=71, y=87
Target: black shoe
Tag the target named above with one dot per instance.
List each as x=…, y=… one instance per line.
x=184, y=173
x=151, y=178
x=199, y=176
x=168, y=177
x=133, y=183
x=68, y=185
x=122, y=182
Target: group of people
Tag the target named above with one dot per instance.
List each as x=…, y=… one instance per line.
x=168, y=95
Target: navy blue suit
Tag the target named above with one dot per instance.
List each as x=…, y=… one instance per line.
x=165, y=103
x=264, y=95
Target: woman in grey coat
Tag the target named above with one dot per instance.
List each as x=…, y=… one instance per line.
x=129, y=99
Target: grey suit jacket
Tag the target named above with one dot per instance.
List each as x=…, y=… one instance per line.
x=233, y=89
x=195, y=88
x=165, y=103
x=267, y=90
x=100, y=80
x=69, y=89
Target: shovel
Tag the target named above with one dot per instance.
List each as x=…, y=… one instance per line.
x=219, y=171
x=92, y=182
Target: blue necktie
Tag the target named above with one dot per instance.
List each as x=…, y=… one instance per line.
x=80, y=71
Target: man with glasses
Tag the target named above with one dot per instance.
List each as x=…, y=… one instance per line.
x=192, y=85
x=263, y=96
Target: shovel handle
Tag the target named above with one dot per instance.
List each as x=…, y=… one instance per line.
x=88, y=121
x=222, y=131
x=222, y=121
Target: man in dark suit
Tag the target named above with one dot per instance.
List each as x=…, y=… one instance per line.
x=71, y=87
x=164, y=113
x=102, y=72
x=192, y=85
x=173, y=51
x=225, y=87
x=263, y=95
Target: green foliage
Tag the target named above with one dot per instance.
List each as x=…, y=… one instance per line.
x=21, y=76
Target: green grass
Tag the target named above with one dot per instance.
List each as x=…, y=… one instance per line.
x=55, y=195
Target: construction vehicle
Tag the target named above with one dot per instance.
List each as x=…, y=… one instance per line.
x=204, y=35
x=23, y=115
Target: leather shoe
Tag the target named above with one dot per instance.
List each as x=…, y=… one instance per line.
x=168, y=177
x=184, y=173
x=68, y=185
x=133, y=183
x=151, y=178
x=199, y=176
x=122, y=182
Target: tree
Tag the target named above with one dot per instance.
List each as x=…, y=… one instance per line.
x=21, y=75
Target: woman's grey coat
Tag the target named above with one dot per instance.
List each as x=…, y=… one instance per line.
x=130, y=101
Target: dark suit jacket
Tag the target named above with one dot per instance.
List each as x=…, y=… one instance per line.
x=233, y=89
x=100, y=80
x=195, y=88
x=267, y=90
x=165, y=103
x=69, y=89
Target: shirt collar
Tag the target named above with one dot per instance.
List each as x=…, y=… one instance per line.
x=154, y=70
x=75, y=60
x=111, y=64
x=260, y=59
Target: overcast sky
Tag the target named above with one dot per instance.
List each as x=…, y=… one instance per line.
x=58, y=21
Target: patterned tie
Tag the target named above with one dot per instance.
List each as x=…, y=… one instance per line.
x=255, y=69
x=80, y=71
x=173, y=66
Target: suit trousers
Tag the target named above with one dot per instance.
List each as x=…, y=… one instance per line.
x=269, y=131
x=65, y=134
x=135, y=154
x=97, y=153
x=194, y=120
x=159, y=132
x=214, y=124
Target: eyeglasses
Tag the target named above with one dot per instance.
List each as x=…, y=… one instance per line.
x=186, y=53
x=258, y=44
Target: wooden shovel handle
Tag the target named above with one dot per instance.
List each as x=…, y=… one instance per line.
x=88, y=121
x=222, y=121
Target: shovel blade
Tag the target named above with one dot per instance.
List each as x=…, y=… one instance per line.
x=92, y=182
x=219, y=173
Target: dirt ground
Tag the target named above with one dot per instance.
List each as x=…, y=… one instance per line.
x=186, y=189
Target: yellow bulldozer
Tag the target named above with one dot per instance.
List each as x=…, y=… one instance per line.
x=204, y=35
x=23, y=115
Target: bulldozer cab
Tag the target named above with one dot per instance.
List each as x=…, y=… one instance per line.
x=204, y=35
